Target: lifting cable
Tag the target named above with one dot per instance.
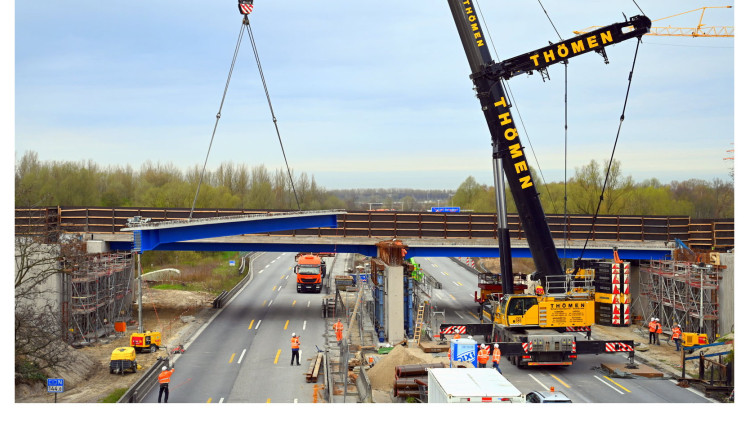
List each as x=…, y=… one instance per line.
x=565, y=160
x=506, y=87
x=611, y=157
x=245, y=22
x=218, y=116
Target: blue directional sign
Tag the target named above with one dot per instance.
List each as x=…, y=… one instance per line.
x=446, y=209
x=55, y=385
x=363, y=277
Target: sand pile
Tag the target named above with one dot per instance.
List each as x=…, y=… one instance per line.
x=383, y=373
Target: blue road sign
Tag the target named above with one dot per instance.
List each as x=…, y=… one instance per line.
x=363, y=277
x=55, y=385
x=446, y=209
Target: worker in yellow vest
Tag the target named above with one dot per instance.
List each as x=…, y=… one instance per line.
x=164, y=377
x=339, y=328
x=295, y=348
x=677, y=336
x=496, y=358
x=483, y=355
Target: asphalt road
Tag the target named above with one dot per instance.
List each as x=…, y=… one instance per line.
x=243, y=354
x=583, y=382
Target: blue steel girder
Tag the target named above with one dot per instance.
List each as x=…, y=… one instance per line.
x=367, y=247
x=159, y=236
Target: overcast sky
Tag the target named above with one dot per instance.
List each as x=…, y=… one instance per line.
x=367, y=94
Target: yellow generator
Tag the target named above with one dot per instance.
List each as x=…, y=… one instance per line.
x=122, y=359
x=149, y=341
x=694, y=339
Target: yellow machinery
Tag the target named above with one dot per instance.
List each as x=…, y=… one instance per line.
x=694, y=339
x=544, y=312
x=149, y=341
x=122, y=359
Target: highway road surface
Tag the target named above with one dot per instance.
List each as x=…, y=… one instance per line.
x=583, y=382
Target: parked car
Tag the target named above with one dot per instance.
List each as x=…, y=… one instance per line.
x=551, y=396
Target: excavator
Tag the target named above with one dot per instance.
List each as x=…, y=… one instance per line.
x=532, y=329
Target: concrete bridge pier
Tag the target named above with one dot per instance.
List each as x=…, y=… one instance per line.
x=392, y=253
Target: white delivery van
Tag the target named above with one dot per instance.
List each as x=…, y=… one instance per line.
x=470, y=385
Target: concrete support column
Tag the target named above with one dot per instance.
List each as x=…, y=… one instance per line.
x=394, y=303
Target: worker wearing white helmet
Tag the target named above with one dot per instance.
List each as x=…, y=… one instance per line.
x=164, y=378
x=652, y=331
x=483, y=355
x=496, y=358
x=295, y=349
x=677, y=336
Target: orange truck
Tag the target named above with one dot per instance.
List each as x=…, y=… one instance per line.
x=310, y=270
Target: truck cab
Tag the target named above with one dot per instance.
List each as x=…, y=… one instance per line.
x=310, y=270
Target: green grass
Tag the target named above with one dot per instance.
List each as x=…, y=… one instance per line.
x=113, y=396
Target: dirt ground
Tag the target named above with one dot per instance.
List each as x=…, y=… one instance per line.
x=177, y=314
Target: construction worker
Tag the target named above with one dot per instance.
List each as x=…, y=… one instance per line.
x=164, y=377
x=456, y=336
x=295, y=348
x=652, y=331
x=496, y=358
x=539, y=290
x=658, y=331
x=483, y=355
x=677, y=336
x=339, y=328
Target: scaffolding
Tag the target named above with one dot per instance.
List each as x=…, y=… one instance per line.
x=681, y=292
x=97, y=292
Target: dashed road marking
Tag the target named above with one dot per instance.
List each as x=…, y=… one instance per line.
x=241, y=356
x=608, y=385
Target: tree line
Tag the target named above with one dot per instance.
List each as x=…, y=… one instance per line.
x=165, y=186
x=622, y=195
x=238, y=186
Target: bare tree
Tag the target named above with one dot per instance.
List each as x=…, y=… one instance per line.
x=39, y=268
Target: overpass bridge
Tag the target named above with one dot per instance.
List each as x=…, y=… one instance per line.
x=425, y=233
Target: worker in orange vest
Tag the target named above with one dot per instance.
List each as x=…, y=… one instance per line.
x=295, y=348
x=339, y=328
x=456, y=336
x=652, y=331
x=164, y=378
x=496, y=358
x=483, y=355
x=677, y=336
x=658, y=331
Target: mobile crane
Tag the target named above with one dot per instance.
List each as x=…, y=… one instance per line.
x=530, y=328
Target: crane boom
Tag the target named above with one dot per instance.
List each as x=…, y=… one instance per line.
x=507, y=151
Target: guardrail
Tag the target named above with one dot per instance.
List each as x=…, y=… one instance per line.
x=138, y=391
x=701, y=234
x=225, y=296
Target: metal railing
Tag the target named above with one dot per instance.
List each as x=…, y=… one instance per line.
x=706, y=234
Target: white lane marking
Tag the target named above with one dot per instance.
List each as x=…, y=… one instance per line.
x=457, y=284
x=444, y=273
x=295, y=400
x=269, y=303
x=221, y=400
x=267, y=265
x=434, y=265
x=308, y=303
x=241, y=356
x=459, y=315
x=540, y=383
x=609, y=385
x=260, y=271
x=257, y=326
x=304, y=324
x=287, y=277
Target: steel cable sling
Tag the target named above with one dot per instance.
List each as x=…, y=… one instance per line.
x=614, y=147
x=245, y=22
